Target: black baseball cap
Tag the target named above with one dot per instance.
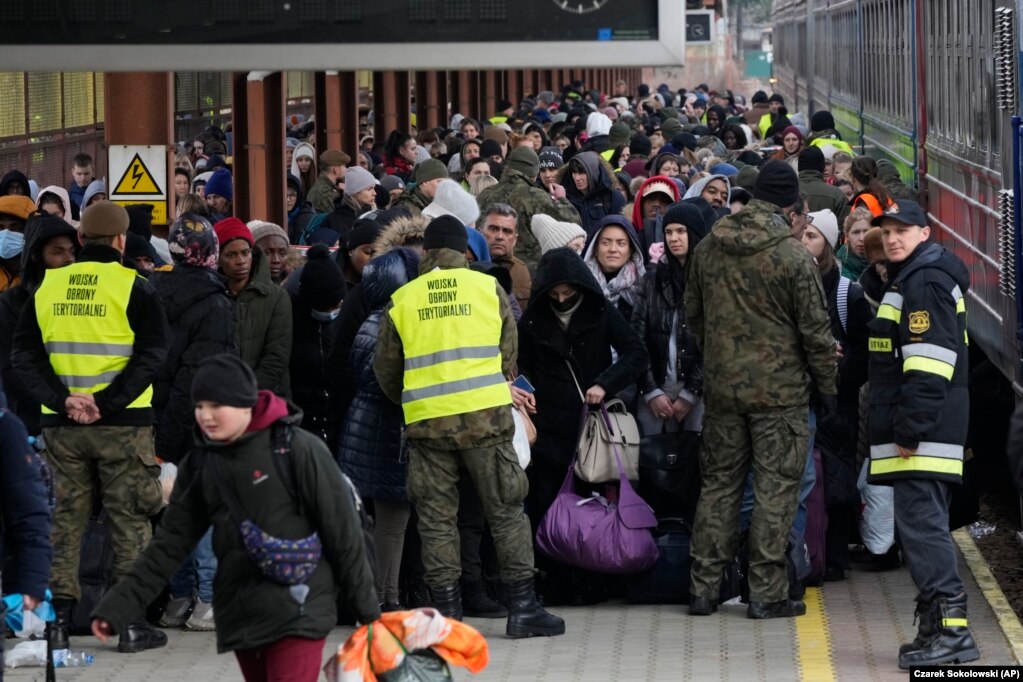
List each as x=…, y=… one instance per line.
x=904, y=211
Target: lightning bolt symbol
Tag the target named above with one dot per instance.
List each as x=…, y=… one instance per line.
x=136, y=174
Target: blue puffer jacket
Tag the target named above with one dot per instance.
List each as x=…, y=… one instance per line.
x=370, y=452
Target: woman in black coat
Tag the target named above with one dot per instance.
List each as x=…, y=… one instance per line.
x=672, y=387
x=836, y=436
x=569, y=322
x=371, y=452
x=202, y=323
x=589, y=188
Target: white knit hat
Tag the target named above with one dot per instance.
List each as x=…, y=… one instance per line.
x=451, y=199
x=358, y=179
x=826, y=223
x=261, y=228
x=597, y=124
x=552, y=234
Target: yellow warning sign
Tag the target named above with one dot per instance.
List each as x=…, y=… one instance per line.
x=159, y=209
x=137, y=180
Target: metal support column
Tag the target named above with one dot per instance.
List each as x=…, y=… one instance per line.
x=390, y=102
x=327, y=105
x=465, y=93
x=431, y=99
x=488, y=94
x=258, y=121
x=139, y=109
x=348, y=102
x=513, y=87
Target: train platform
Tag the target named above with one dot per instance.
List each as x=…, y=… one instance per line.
x=852, y=631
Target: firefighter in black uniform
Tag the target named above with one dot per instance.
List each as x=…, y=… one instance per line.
x=919, y=409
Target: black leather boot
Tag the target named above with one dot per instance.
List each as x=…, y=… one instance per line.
x=702, y=606
x=526, y=618
x=478, y=604
x=140, y=636
x=926, y=617
x=448, y=600
x=952, y=641
x=60, y=630
x=786, y=608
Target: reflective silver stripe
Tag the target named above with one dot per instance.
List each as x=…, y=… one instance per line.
x=72, y=381
x=87, y=348
x=467, y=353
x=926, y=448
x=930, y=350
x=449, y=387
x=893, y=299
x=957, y=293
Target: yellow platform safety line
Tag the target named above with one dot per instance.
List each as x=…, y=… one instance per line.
x=1007, y=619
x=813, y=635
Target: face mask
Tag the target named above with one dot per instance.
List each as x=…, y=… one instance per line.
x=566, y=305
x=328, y=316
x=11, y=243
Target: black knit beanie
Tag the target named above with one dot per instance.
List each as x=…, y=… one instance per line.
x=640, y=145
x=691, y=217
x=822, y=120
x=446, y=232
x=322, y=284
x=811, y=159
x=226, y=380
x=365, y=231
x=777, y=183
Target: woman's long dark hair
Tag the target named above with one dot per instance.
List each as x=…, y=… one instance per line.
x=395, y=141
x=864, y=172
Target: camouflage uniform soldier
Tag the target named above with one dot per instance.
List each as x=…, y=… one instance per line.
x=87, y=347
x=447, y=341
x=427, y=176
x=756, y=304
x=518, y=189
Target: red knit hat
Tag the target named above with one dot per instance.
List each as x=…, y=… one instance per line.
x=232, y=228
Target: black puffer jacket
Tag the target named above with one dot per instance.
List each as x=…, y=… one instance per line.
x=600, y=199
x=311, y=385
x=201, y=317
x=39, y=230
x=252, y=610
x=660, y=300
x=594, y=329
x=370, y=452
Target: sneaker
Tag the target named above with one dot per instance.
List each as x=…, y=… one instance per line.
x=201, y=619
x=388, y=606
x=140, y=636
x=176, y=613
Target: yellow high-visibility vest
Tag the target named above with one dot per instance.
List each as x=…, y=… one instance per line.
x=498, y=119
x=449, y=322
x=764, y=125
x=841, y=146
x=82, y=311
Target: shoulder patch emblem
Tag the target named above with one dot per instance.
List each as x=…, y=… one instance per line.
x=919, y=321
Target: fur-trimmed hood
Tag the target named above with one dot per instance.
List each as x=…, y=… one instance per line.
x=403, y=231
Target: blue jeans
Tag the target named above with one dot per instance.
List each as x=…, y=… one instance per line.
x=196, y=575
x=806, y=484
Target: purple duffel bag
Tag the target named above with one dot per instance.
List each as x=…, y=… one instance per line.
x=593, y=534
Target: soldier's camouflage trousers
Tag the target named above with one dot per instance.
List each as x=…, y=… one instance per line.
x=120, y=461
x=501, y=485
x=774, y=444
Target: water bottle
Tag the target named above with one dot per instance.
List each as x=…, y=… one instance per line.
x=78, y=659
x=59, y=658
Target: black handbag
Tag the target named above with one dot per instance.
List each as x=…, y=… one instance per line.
x=669, y=473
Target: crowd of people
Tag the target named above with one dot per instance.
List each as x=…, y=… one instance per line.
x=728, y=270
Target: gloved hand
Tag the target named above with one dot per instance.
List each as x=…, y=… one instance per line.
x=827, y=407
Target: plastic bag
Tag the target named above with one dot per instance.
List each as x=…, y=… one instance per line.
x=877, y=518
x=521, y=440
x=26, y=654
x=168, y=476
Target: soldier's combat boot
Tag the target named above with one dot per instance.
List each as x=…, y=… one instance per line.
x=702, y=606
x=140, y=636
x=926, y=625
x=60, y=631
x=786, y=608
x=526, y=618
x=448, y=600
x=952, y=641
x=478, y=604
